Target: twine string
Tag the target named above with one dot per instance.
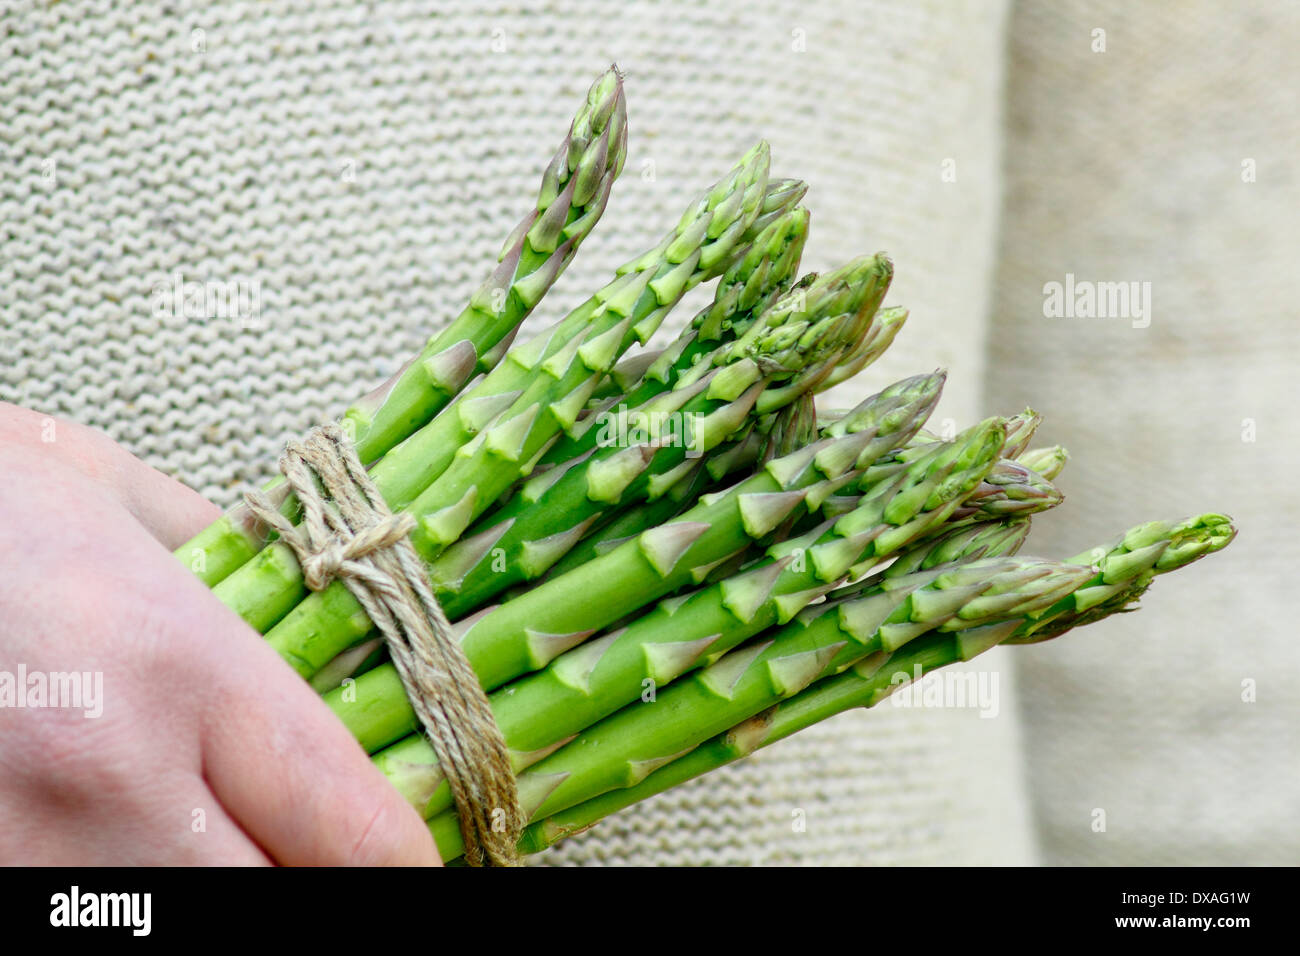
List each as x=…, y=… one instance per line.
x=349, y=534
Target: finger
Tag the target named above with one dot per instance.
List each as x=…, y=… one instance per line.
x=191, y=828
x=176, y=821
x=215, y=839
x=170, y=511
x=289, y=772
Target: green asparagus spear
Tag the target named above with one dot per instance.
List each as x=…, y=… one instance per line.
x=1020, y=431
x=573, y=194
x=635, y=293
x=1125, y=570
x=753, y=283
x=435, y=462
x=875, y=677
x=625, y=748
x=765, y=272
x=869, y=349
x=781, y=433
x=1009, y=489
x=526, y=633
x=988, y=539
x=748, y=287
x=538, y=711
x=1048, y=462
x=485, y=467
x=711, y=400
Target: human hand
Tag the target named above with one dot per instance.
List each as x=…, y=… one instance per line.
x=207, y=748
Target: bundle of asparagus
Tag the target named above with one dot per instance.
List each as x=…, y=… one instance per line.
x=657, y=563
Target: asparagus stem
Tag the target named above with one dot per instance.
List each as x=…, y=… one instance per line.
x=574, y=191
x=489, y=435
x=539, y=711
x=1020, y=429
x=529, y=631
x=875, y=677
x=990, y=539
x=765, y=272
x=781, y=433
x=484, y=468
x=863, y=685
x=626, y=747
x=713, y=397
x=769, y=616
x=680, y=495
x=1126, y=568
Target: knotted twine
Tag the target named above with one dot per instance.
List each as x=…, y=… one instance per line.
x=348, y=533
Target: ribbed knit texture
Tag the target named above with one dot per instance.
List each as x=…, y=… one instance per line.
x=1128, y=165
x=363, y=163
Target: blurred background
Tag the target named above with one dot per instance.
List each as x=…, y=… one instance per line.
x=362, y=162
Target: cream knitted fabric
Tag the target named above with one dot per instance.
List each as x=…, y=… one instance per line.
x=1136, y=164
x=356, y=166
